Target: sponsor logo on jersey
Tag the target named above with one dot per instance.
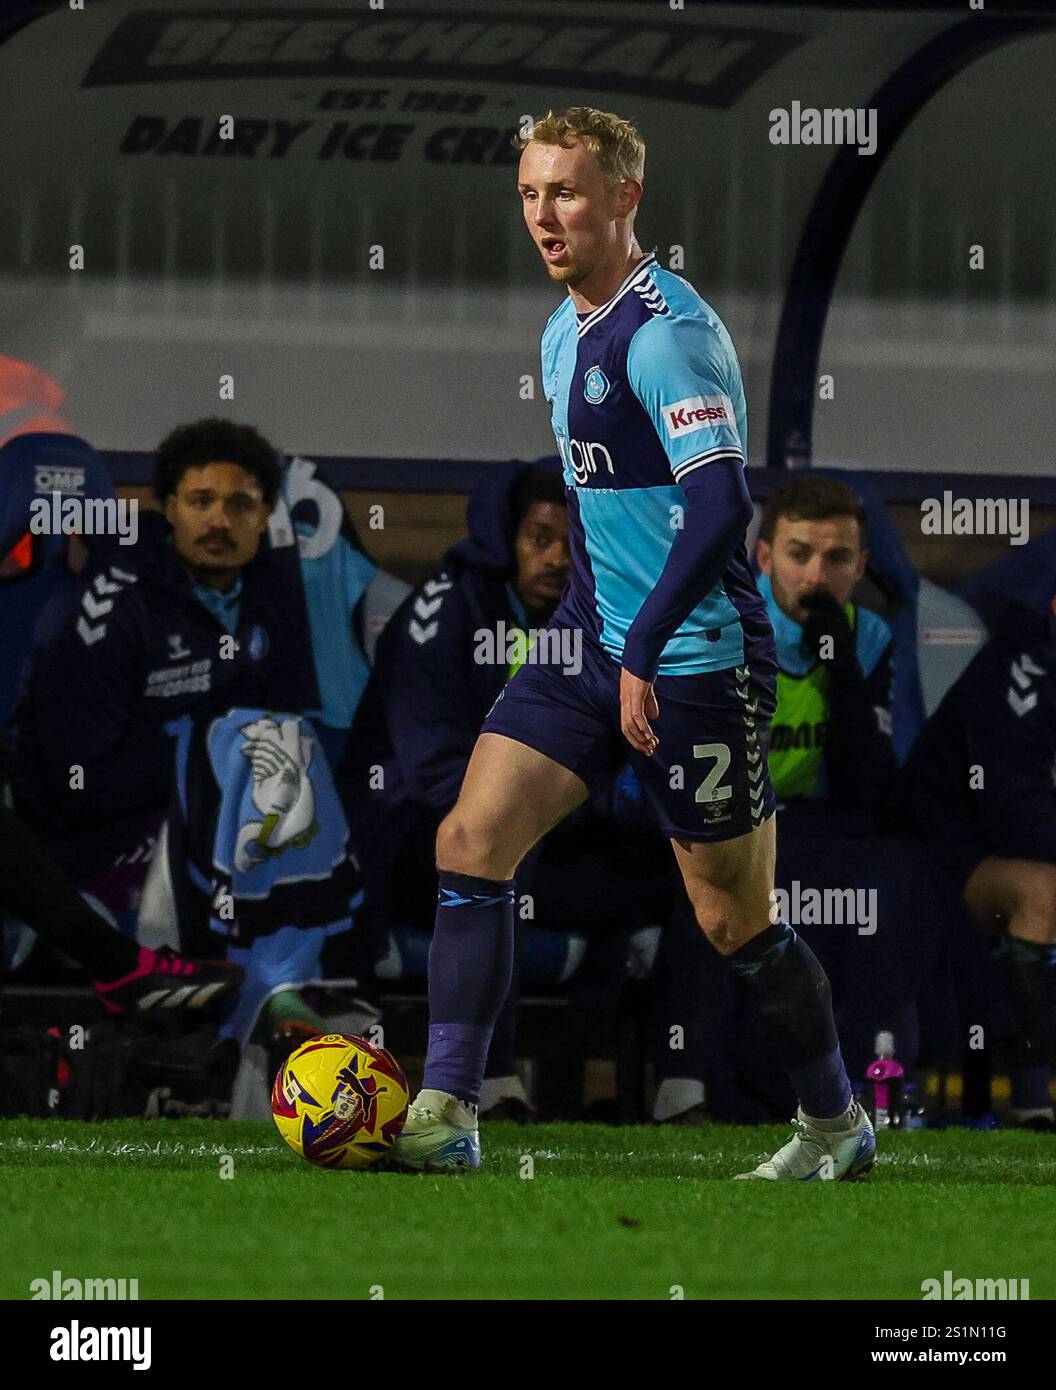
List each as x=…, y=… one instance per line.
x=168, y=682
x=802, y=735
x=596, y=386
x=698, y=413
x=582, y=458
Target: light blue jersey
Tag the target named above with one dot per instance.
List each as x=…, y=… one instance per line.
x=643, y=391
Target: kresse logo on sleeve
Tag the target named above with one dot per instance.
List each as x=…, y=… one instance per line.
x=698, y=413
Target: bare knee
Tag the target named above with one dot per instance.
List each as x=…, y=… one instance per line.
x=718, y=920
x=1018, y=894
x=729, y=885
x=463, y=848
x=1033, y=914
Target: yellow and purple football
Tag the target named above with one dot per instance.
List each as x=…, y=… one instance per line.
x=340, y=1101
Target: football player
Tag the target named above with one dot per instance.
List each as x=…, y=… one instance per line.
x=673, y=655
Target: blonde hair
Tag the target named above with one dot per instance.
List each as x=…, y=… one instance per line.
x=614, y=142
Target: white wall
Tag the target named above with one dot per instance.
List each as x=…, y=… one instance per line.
x=934, y=366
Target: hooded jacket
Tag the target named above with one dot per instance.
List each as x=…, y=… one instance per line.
x=427, y=697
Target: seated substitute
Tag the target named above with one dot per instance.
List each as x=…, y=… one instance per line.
x=832, y=762
x=831, y=732
x=979, y=788
x=202, y=614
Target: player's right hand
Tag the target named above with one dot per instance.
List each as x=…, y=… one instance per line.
x=638, y=704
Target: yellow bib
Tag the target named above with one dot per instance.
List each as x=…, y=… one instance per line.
x=797, y=733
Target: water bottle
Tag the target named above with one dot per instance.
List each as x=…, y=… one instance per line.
x=885, y=1075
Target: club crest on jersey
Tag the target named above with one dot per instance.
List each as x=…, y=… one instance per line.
x=595, y=386
x=698, y=413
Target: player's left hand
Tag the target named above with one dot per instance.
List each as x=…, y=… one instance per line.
x=638, y=704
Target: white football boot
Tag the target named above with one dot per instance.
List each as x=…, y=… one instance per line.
x=839, y=1155
x=440, y=1136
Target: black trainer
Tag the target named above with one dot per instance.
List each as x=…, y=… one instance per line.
x=164, y=982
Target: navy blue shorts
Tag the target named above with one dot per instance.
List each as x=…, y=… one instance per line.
x=707, y=780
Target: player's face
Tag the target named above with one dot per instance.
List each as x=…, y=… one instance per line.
x=807, y=556
x=570, y=209
x=218, y=516
x=543, y=559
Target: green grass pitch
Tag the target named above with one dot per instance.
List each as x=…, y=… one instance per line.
x=632, y=1213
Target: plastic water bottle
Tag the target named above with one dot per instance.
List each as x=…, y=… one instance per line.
x=885, y=1074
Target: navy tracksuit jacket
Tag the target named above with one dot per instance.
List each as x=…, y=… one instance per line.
x=999, y=718
x=132, y=649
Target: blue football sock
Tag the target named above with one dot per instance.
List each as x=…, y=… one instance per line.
x=787, y=985
x=502, y=1052
x=470, y=964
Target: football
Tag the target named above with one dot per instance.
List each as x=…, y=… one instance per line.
x=340, y=1101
